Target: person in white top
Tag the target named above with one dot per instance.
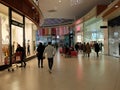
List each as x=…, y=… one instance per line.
x=50, y=51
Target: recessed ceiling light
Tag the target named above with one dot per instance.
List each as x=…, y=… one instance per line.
x=116, y=6
x=60, y=1
x=33, y=7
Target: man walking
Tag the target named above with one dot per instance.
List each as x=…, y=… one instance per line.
x=50, y=51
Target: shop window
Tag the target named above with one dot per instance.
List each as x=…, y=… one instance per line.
x=30, y=37
x=4, y=35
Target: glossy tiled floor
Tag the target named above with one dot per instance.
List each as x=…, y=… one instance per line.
x=76, y=73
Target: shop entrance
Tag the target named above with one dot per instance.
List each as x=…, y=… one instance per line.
x=17, y=37
x=17, y=31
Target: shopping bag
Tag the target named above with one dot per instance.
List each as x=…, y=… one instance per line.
x=18, y=58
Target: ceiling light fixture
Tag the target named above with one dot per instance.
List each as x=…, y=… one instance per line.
x=60, y=1
x=75, y=2
x=116, y=6
x=33, y=7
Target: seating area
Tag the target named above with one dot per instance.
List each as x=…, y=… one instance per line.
x=68, y=53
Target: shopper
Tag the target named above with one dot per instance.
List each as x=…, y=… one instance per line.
x=84, y=49
x=22, y=51
x=50, y=51
x=100, y=46
x=88, y=49
x=40, y=51
x=97, y=48
x=77, y=46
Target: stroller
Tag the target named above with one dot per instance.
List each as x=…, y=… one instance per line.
x=16, y=58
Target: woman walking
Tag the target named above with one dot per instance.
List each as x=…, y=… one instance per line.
x=88, y=49
x=40, y=51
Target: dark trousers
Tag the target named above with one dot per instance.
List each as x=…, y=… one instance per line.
x=40, y=61
x=97, y=54
x=23, y=63
x=50, y=63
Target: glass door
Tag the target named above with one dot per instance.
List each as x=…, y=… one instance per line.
x=17, y=37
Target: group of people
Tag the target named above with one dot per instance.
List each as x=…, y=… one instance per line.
x=86, y=48
x=50, y=51
x=42, y=51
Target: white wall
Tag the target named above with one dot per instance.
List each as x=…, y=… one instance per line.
x=105, y=38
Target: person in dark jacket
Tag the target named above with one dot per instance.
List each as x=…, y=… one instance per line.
x=97, y=48
x=22, y=51
x=84, y=49
x=77, y=47
x=40, y=51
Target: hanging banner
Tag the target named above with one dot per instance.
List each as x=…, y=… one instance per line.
x=57, y=31
x=53, y=31
x=46, y=31
x=43, y=32
x=60, y=31
x=49, y=31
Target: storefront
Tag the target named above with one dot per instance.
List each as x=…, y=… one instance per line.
x=92, y=30
x=4, y=34
x=14, y=29
x=114, y=36
x=79, y=33
x=30, y=37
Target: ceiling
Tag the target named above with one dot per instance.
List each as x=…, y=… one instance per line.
x=57, y=12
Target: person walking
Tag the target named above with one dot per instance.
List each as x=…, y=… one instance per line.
x=77, y=47
x=22, y=51
x=88, y=49
x=84, y=49
x=40, y=51
x=50, y=51
x=97, y=48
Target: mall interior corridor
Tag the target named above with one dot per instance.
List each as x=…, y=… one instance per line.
x=75, y=73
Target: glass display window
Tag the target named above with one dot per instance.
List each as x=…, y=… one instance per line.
x=30, y=37
x=17, y=37
x=114, y=41
x=92, y=31
x=4, y=35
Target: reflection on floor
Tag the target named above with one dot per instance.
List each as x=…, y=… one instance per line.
x=75, y=73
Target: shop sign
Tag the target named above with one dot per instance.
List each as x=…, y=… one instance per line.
x=103, y=27
x=17, y=23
